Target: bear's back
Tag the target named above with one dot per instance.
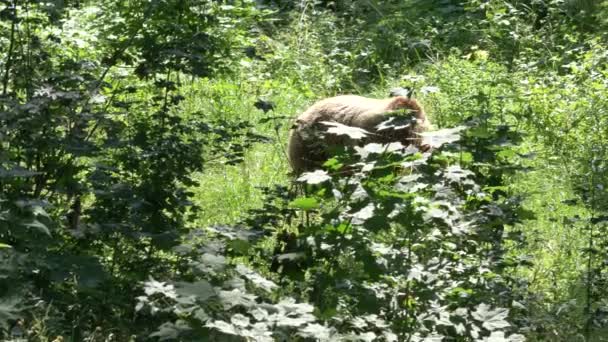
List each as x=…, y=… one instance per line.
x=344, y=109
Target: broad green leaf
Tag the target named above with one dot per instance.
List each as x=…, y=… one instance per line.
x=152, y=287
x=255, y=278
x=316, y=177
x=39, y=226
x=201, y=289
x=336, y=128
x=223, y=327
x=436, y=139
x=240, y=321
x=316, y=332
x=491, y=319
x=304, y=203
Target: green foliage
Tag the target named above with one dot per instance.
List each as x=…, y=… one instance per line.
x=96, y=163
x=140, y=199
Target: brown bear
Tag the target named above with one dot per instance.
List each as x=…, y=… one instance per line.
x=308, y=146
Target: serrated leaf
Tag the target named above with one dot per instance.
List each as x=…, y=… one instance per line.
x=316, y=177
x=337, y=128
x=364, y=214
x=491, y=319
x=152, y=287
x=436, y=139
x=214, y=261
x=315, y=331
x=236, y=297
x=201, y=289
x=223, y=327
x=255, y=278
x=456, y=174
x=240, y=321
x=396, y=123
x=259, y=314
x=376, y=148
x=235, y=233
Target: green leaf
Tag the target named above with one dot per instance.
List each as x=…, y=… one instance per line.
x=492, y=319
x=436, y=139
x=255, y=278
x=456, y=174
x=39, y=226
x=336, y=128
x=316, y=177
x=201, y=289
x=152, y=287
x=480, y=132
x=8, y=310
x=304, y=203
x=236, y=297
x=240, y=321
x=167, y=331
x=315, y=331
x=223, y=327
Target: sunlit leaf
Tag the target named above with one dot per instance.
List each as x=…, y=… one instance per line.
x=456, y=174
x=152, y=287
x=223, y=327
x=305, y=203
x=436, y=139
x=255, y=278
x=337, y=128
x=429, y=90
x=363, y=215
x=491, y=319
x=315, y=177
x=240, y=321
x=315, y=331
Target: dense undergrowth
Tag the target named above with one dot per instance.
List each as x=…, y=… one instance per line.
x=145, y=193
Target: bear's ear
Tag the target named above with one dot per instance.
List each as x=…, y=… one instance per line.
x=401, y=91
x=401, y=102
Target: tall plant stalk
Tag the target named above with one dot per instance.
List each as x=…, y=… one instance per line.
x=9, y=57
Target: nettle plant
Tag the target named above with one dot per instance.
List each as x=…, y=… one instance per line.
x=391, y=244
x=415, y=239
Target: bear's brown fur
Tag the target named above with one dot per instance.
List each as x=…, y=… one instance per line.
x=308, y=146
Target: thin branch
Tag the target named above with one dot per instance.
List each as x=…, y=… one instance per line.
x=9, y=58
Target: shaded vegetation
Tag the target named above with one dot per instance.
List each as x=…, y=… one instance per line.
x=145, y=192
